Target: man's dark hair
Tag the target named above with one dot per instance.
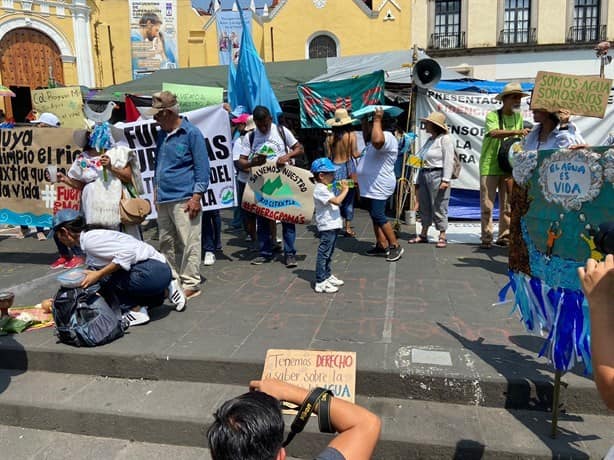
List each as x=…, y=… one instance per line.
x=149, y=17
x=261, y=113
x=248, y=427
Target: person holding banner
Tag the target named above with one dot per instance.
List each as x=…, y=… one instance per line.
x=343, y=151
x=437, y=157
x=377, y=182
x=181, y=178
x=500, y=124
x=248, y=220
x=270, y=142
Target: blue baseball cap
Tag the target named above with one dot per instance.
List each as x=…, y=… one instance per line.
x=63, y=216
x=322, y=165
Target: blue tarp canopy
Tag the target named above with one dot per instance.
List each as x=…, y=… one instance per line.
x=476, y=86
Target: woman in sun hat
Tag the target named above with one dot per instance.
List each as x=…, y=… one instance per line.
x=437, y=157
x=342, y=149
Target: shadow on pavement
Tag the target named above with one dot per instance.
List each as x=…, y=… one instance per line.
x=13, y=360
x=490, y=265
x=521, y=377
x=34, y=258
x=468, y=449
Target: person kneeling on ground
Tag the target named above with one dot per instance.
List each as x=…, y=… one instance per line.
x=252, y=426
x=127, y=269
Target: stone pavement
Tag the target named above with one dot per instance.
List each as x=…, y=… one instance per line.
x=423, y=328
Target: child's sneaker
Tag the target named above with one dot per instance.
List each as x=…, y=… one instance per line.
x=325, y=286
x=335, y=281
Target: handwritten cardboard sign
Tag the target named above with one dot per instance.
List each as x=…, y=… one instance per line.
x=27, y=197
x=581, y=95
x=65, y=103
x=333, y=370
x=284, y=194
x=192, y=97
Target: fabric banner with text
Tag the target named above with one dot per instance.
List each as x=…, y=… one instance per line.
x=318, y=101
x=213, y=122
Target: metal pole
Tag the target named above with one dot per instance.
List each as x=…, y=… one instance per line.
x=555, y=403
x=411, y=122
x=272, y=46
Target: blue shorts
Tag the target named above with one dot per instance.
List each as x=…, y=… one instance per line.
x=377, y=211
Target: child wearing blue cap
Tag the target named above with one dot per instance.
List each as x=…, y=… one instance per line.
x=328, y=221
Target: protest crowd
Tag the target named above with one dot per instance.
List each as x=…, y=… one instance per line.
x=104, y=237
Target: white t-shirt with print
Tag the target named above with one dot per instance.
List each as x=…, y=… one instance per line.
x=375, y=169
x=237, y=151
x=270, y=143
x=328, y=216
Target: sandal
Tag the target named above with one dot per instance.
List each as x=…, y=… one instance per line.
x=442, y=243
x=486, y=246
x=349, y=233
x=418, y=239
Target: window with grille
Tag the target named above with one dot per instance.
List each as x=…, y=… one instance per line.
x=585, y=27
x=447, y=30
x=322, y=46
x=516, y=22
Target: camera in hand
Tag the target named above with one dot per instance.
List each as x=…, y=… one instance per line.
x=604, y=238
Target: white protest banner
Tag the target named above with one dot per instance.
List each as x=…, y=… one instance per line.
x=284, y=194
x=466, y=113
x=213, y=122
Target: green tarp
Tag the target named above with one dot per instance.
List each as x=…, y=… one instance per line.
x=284, y=77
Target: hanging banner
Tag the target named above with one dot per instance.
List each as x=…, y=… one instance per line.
x=229, y=31
x=318, y=101
x=29, y=157
x=65, y=103
x=581, y=95
x=141, y=135
x=193, y=97
x=284, y=194
x=153, y=36
x=466, y=113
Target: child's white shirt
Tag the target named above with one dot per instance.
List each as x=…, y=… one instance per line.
x=328, y=215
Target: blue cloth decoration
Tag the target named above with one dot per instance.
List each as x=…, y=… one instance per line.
x=101, y=139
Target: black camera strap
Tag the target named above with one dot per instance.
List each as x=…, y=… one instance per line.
x=317, y=400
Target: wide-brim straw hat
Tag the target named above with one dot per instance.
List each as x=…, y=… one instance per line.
x=341, y=118
x=511, y=88
x=438, y=119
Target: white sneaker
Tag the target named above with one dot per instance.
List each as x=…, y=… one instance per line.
x=332, y=279
x=176, y=296
x=325, y=286
x=136, y=318
x=209, y=258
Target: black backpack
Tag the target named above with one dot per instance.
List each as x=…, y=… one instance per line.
x=504, y=149
x=83, y=318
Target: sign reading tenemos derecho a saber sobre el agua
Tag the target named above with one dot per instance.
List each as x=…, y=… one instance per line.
x=280, y=193
x=28, y=198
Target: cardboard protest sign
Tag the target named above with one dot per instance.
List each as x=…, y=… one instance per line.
x=581, y=95
x=66, y=103
x=192, y=97
x=213, y=123
x=333, y=370
x=27, y=196
x=284, y=194
x=560, y=200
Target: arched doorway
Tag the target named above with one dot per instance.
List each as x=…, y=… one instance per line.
x=29, y=59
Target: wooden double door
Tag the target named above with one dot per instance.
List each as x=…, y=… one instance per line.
x=29, y=59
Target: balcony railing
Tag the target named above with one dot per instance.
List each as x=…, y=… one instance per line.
x=447, y=41
x=587, y=34
x=518, y=37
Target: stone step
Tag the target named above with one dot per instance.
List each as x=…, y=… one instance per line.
x=178, y=414
x=472, y=379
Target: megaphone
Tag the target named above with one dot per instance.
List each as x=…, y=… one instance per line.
x=426, y=73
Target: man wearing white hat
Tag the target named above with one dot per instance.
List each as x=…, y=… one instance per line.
x=500, y=124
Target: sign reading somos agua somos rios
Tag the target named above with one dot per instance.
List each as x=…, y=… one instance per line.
x=581, y=95
x=284, y=194
x=26, y=197
x=333, y=370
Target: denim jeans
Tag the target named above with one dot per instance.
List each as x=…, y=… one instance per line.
x=212, y=231
x=237, y=215
x=325, y=254
x=347, y=205
x=377, y=211
x=144, y=284
x=264, y=237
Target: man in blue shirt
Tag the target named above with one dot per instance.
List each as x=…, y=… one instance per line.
x=181, y=178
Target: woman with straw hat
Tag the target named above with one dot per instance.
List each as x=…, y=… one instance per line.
x=342, y=150
x=437, y=157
